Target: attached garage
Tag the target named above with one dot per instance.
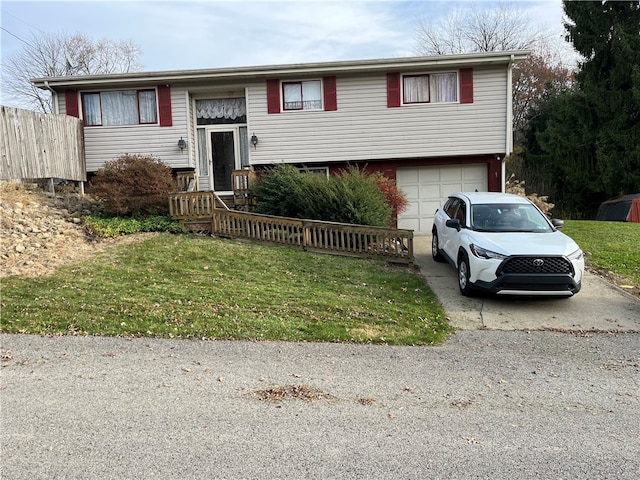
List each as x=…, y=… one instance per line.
x=426, y=187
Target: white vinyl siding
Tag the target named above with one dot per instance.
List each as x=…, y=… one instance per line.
x=363, y=128
x=109, y=142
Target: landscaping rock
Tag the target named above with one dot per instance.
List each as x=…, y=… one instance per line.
x=38, y=233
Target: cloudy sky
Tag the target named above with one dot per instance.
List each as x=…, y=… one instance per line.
x=175, y=35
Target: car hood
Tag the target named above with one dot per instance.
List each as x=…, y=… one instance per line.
x=519, y=243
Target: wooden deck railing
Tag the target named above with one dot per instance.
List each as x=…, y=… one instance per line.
x=198, y=214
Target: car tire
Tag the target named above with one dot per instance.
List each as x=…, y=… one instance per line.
x=463, y=275
x=436, y=253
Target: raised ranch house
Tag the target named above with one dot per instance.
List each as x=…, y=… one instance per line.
x=434, y=124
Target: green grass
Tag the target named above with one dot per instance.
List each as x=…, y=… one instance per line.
x=612, y=246
x=183, y=286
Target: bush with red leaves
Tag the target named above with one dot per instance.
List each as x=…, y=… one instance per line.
x=134, y=184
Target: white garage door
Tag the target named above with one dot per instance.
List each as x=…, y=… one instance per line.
x=427, y=187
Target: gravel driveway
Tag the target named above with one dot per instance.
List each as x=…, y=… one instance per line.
x=499, y=400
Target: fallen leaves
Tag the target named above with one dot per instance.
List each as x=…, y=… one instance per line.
x=291, y=392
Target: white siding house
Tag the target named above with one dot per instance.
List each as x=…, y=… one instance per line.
x=435, y=124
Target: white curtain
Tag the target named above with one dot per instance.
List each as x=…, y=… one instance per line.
x=311, y=95
x=148, y=110
x=91, y=109
x=119, y=108
x=416, y=89
x=292, y=96
x=221, y=108
x=444, y=87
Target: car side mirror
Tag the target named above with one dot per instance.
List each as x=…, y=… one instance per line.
x=556, y=222
x=453, y=223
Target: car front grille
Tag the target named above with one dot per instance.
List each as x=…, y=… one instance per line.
x=533, y=265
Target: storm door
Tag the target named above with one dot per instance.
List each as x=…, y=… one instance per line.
x=222, y=142
x=223, y=154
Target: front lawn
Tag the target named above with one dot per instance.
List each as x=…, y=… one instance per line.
x=609, y=246
x=185, y=286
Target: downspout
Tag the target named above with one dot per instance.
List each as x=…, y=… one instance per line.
x=508, y=147
x=54, y=98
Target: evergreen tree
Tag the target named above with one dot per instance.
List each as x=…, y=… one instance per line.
x=586, y=142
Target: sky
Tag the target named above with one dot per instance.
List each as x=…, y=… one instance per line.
x=177, y=35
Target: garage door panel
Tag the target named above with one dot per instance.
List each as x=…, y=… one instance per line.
x=427, y=187
x=406, y=176
x=450, y=174
x=411, y=191
x=412, y=210
x=430, y=191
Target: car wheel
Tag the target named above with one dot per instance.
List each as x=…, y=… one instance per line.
x=463, y=275
x=435, y=250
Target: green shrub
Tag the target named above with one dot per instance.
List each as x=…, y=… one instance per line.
x=277, y=191
x=351, y=197
x=133, y=185
x=109, y=227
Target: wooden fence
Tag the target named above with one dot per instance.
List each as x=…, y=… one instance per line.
x=38, y=146
x=198, y=214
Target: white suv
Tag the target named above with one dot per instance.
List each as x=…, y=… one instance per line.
x=502, y=243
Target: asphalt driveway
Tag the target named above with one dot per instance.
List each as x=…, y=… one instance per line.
x=599, y=306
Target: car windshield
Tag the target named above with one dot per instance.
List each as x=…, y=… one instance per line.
x=508, y=218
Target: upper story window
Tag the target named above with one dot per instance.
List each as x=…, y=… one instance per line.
x=120, y=107
x=432, y=88
x=302, y=95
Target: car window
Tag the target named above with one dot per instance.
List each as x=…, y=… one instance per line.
x=461, y=213
x=508, y=218
x=451, y=206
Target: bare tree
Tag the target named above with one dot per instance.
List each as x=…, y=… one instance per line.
x=59, y=55
x=475, y=29
x=506, y=27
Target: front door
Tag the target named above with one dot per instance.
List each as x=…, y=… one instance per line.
x=218, y=152
x=223, y=154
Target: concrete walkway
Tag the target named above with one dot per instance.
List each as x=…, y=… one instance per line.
x=600, y=306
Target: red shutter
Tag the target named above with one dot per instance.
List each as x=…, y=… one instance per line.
x=273, y=96
x=164, y=105
x=393, y=90
x=466, y=85
x=71, y=102
x=330, y=95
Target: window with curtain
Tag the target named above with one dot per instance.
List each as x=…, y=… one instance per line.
x=432, y=88
x=120, y=107
x=416, y=88
x=444, y=87
x=302, y=95
x=215, y=111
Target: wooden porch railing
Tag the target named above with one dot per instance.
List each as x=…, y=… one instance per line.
x=191, y=205
x=198, y=214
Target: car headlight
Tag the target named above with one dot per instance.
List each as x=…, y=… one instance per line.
x=577, y=255
x=484, y=253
